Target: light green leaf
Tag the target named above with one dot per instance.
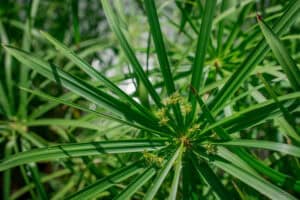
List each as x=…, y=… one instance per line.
x=258, y=183
x=211, y=179
x=93, y=190
x=160, y=177
x=80, y=149
x=62, y=122
x=274, y=146
x=252, y=115
x=113, y=22
x=255, y=56
x=281, y=54
x=100, y=114
x=176, y=178
x=162, y=53
x=79, y=86
x=136, y=184
x=94, y=73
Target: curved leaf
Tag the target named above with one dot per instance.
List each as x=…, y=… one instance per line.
x=162, y=54
x=261, y=185
x=203, y=40
x=93, y=72
x=255, y=56
x=80, y=149
x=136, y=184
x=161, y=175
x=274, y=146
x=281, y=54
x=128, y=50
x=93, y=190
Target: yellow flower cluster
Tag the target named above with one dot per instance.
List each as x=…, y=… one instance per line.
x=194, y=128
x=210, y=148
x=175, y=98
x=163, y=121
x=161, y=112
x=152, y=159
x=162, y=115
x=186, y=107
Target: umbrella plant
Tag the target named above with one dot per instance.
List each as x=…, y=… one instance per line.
x=214, y=117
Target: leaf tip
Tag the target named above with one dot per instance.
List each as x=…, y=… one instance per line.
x=3, y=46
x=258, y=17
x=6, y=47
x=193, y=90
x=43, y=33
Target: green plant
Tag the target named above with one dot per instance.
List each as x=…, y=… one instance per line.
x=193, y=143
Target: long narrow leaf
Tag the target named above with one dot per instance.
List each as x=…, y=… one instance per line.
x=259, y=166
x=220, y=131
x=24, y=72
x=274, y=146
x=93, y=73
x=37, y=180
x=5, y=105
x=77, y=85
x=176, y=178
x=261, y=185
x=203, y=40
x=256, y=56
x=136, y=184
x=80, y=149
x=162, y=53
x=7, y=174
x=93, y=190
x=281, y=54
x=100, y=114
x=246, y=157
x=211, y=179
x=252, y=115
x=161, y=175
x=113, y=22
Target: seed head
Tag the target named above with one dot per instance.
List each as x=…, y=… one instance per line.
x=163, y=121
x=210, y=149
x=186, y=108
x=160, y=113
x=152, y=159
x=194, y=128
x=173, y=99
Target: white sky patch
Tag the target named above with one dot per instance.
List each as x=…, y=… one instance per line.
x=127, y=86
x=96, y=64
x=111, y=72
x=136, y=99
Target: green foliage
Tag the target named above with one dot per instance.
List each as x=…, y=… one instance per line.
x=212, y=111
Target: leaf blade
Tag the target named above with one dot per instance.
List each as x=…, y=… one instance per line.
x=255, y=56
x=161, y=176
x=281, y=54
x=274, y=146
x=80, y=87
x=136, y=184
x=93, y=73
x=80, y=149
x=129, y=51
x=203, y=40
x=210, y=178
x=261, y=185
x=91, y=191
x=162, y=54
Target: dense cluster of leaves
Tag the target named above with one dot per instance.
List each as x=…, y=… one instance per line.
x=184, y=99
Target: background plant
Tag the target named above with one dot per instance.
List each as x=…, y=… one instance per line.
x=212, y=111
